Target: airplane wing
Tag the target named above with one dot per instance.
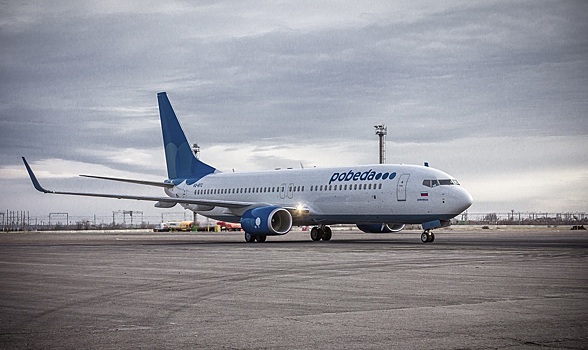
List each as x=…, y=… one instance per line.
x=206, y=202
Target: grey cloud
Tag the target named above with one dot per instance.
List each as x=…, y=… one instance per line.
x=84, y=76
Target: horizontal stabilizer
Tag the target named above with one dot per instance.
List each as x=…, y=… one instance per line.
x=138, y=182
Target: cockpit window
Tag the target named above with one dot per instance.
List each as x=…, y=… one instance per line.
x=442, y=182
x=431, y=183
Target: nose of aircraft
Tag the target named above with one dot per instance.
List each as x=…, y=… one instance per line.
x=465, y=200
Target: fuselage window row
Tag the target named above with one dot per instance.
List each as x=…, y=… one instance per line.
x=314, y=188
x=352, y=187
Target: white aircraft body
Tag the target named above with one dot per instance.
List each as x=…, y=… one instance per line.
x=378, y=198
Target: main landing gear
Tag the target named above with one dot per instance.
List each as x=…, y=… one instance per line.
x=427, y=236
x=249, y=238
x=321, y=232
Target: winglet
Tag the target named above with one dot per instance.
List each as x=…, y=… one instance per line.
x=34, y=180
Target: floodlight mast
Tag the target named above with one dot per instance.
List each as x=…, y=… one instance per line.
x=196, y=150
x=381, y=131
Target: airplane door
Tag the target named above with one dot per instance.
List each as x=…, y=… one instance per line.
x=291, y=191
x=401, y=189
x=283, y=191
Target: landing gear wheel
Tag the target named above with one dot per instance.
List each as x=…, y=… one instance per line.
x=316, y=234
x=425, y=237
x=261, y=238
x=249, y=238
x=327, y=234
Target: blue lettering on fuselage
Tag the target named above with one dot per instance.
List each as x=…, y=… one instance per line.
x=359, y=176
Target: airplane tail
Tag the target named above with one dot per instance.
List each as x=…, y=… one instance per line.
x=181, y=162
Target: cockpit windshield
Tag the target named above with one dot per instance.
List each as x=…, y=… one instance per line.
x=440, y=182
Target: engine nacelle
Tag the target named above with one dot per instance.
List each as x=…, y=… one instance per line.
x=381, y=228
x=268, y=221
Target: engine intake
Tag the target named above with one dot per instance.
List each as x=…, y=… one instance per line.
x=268, y=221
x=380, y=228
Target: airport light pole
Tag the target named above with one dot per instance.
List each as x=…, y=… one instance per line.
x=381, y=131
x=196, y=150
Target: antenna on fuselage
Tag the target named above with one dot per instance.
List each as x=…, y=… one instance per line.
x=381, y=131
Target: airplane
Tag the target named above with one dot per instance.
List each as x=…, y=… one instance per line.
x=377, y=198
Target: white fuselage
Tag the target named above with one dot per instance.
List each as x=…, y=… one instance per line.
x=379, y=193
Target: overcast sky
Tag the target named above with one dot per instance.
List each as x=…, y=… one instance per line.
x=494, y=93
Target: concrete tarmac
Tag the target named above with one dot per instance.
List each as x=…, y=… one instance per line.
x=471, y=288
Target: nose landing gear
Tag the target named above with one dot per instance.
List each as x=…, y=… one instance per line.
x=427, y=236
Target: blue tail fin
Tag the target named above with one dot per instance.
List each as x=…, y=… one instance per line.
x=181, y=162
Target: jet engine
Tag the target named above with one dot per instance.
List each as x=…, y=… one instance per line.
x=267, y=221
x=380, y=228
